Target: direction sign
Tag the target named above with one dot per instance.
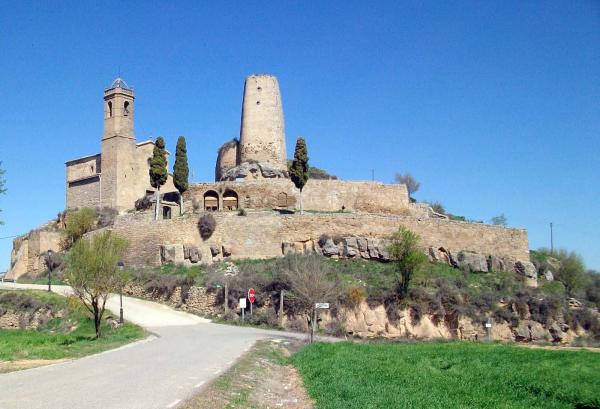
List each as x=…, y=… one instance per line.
x=322, y=305
x=251, y=295
x=242, y=303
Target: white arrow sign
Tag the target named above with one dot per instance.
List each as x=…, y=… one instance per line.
x=322, y=305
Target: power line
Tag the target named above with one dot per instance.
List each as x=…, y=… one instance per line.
x=8, y=237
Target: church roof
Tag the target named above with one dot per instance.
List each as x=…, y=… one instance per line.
x=120, y=83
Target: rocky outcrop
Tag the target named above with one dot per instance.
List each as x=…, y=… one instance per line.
x=253, y=170
x=372, y=248
x=179, y=254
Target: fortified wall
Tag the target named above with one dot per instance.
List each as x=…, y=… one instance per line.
x=263, y=234
x=317, y=195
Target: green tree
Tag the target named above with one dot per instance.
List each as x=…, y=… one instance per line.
x=499, y=220
x=412, y=185
x=77, y=223
x=299, y=168
x=181, y=171
x=93, y=274
x=158, y=170
x=407, y=258
x=2, y=184
x=572, y=272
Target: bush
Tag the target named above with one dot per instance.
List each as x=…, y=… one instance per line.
x=207, y=225
x=79, y=222
x=354, y=296
x=263, y=317
x=242, y=212
x=106, y=216
x=143, y=203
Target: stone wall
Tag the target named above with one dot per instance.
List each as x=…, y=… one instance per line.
x=83, y=193
x=261, y=234
x=197, y=300
x=27, y=254
x=317, y=195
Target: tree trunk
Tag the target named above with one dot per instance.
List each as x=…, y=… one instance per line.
x=301, y=204
x=96, y=318
x=181, y=204
x=312, y=324
x=157, y=204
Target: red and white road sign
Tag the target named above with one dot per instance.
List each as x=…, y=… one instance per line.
x=251, y=295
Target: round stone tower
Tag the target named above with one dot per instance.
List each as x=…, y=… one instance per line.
x=262, y=134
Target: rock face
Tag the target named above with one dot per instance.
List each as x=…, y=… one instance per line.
x=253, y=170
x=528, y=271
x=178, y=254
x=472, y=261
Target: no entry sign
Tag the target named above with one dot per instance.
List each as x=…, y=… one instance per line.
x=251, y=295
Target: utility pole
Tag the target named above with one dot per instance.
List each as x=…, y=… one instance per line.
x=551, y=239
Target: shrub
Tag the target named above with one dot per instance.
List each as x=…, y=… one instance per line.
x=354, y=296
x=79, y=222
x=242, y=212
x=207, y=225
x=265, y=317
x=106, y=216
x=143, y=203
x=335, y=328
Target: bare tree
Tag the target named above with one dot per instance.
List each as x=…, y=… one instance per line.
x=312, y=281
x=499, y=220
x=93, y=274
x=407, y=179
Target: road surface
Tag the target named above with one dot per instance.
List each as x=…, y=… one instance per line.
x=184, y=353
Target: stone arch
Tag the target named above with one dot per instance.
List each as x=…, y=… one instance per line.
x=211, y=200
x=230, y=200
x=109, y=109
x=126, y=108
x=282, y=199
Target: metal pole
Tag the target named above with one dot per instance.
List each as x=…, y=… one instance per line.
x=312, y=327
x=49, y=279
x=121, y=304
x=243, y=314
x=251, y=308
x=226, y=297
x=281, y=306
x=551, y=239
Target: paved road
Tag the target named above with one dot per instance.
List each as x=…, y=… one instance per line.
x=185, y=353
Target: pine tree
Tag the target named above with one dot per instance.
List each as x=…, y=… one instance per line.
x=158, y=170
x=181, y=171
x=299, y=168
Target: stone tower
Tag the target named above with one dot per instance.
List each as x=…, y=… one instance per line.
x=262, y=133
x=118, y=146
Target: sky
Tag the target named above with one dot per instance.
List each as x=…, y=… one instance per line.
x=494, y=106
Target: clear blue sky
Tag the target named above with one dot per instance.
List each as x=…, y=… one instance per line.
x=493, y=105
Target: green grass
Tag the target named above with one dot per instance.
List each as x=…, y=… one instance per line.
x=448, y=375
x=57, y=339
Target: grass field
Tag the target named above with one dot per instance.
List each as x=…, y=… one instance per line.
x=448, y=375
x=68, y=337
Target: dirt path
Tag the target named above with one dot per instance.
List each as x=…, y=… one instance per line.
x=260, y=379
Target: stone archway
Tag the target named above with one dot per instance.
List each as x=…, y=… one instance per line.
x=230, y=200
x=211, y=200
x=282, y=199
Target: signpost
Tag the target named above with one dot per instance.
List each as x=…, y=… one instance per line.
x=315, y=317
x=242, y=307
x=251, y=298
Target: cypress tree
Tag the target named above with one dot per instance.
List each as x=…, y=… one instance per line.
x=158, y=170
x=181, y=171
x=299, y=168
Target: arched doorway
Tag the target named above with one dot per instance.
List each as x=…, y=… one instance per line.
x=230, y=200
x=282, y=199
x=211, y=200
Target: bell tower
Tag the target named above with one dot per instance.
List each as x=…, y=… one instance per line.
x=118, y=110
x=118, y=160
